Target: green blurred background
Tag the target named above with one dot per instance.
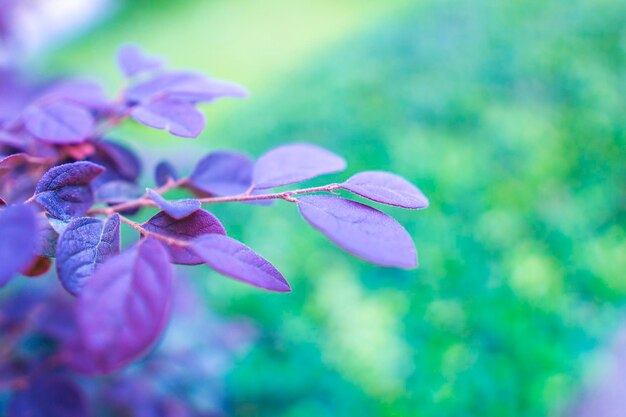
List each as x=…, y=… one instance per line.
x=509, y=115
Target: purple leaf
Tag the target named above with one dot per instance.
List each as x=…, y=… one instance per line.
x=47, y=236
x=361, y=230
x=132, y=60
x=65, y=190
x=387, y=188
x=82, y=92
x=163, y=172
x=223, y=173
x=117, y=192
x=58, y=122
x=121, y=163
x=85, y=244
x=177, y=117
x=199, y=223
x=177, y=209
x=18, y=240
x=123, y=308
x=48, y=396
x=294, y=163
x=185, y=86
x=234, y=259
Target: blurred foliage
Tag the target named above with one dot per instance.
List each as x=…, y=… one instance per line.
x=511, y=117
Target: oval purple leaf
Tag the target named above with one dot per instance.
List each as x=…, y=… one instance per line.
x=360, y=230
x=58, y=122
x=132, y=60
x=177, y=117
x=65, y=190
x=177, y=209
x=123, y=308
x=234, y=259
x=387, y=188
x=186, y=86
x=48, y=396
x=223, y=173
x=163, y=172
x=294, y=163
x=85, y=244
x=85, y=93
x=18, y=240
x=199, y=223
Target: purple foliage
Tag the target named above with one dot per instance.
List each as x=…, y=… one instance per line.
x=361, y=230
x=290, y=164
x=180, y=231
x=58, y=122
x=176, y=209
x=85, y=244
x=56, y=151
x=223, y=173
x=387, y=188
x=19, y=243
x=177, y=117
x=234, y=259
x=123, y=308
x=133, y=61
x=65, y=190
x=163, y=172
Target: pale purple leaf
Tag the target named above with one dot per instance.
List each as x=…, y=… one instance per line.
x=58, y=122
x=132, y=60
x=223, y=173
x=65, y=190
x=124, y=307
x=163, y=172
x=177, y=117
x=290, y=164
x=48, y=396
x=177, y=209
x=18, y=240
x=360, y=230
x=387, y=188
x=198, y=223
x=85, y=244
x=85, y=93
x=234, y=259
x=184, y=86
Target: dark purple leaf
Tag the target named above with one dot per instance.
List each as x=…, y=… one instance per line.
x=223, y=173
x=18, y=240
x=48, y=237
x=48, y=396
x=234, y=259
x=185, y=86
x=198, y=223
x=132, y=60
x=121, y=163
x=177, y=209
x=19, y=160
x=177, y=117
x=85, y=244
x=294, y=163
x=65, y=190
x=58, y=122
x=163, y=172
x=361, y=230
x=117, y=192
x=85, y=93
x=124, y=307
x=387, y=188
